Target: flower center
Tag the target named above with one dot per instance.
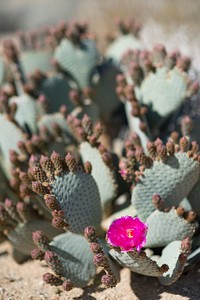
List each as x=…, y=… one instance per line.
x=129, y=233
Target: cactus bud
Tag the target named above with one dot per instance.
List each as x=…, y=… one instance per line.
x=100, y=260
x=186, y=245
x=71, y=162
x=51, y=202
x=90, y=234
x=67, y=285
x=158, y=202
x=58, y=222
x=183, y=144
x=170, y=147
x=40, y=239
x=37, y=254
x=109, y=280
x=38, y=188
x=52, y=279
x=95, y=247
x=53, y=262
x=57, y=162
x=47, y=166
x=88, y=167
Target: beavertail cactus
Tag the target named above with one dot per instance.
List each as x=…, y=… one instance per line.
x=127, y=235
x=177, y=163
x=77, y=56
x=17, y=222
x=28, y=112
x=96, y=157
x=36, y=52
x=104, y=94
x=128, y=39
x=69, y=257
x=10, y=136
x=55, y=89
x=2, y=71
x=161, y=85
x=168, y=268
x=70, y=192
x=102, y=258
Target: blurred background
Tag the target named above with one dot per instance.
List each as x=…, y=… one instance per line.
x=175, y=23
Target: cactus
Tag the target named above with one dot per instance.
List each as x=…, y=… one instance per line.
x=168, y=268
x=70, y=192
x=128, y=39
x=36, y=60
x=2, y=71
x=78, y=60
x=27, y=113
x=104, y=94
x=35, y=52
x=181, y=168
x=96, y=157
x=61, y=179
x=69, y=257
x=18, y=224
x=55, y=88
x=161, y=86
x=9, y=139
x=165, y=227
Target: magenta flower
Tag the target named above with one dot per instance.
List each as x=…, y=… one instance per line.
x=128, y=233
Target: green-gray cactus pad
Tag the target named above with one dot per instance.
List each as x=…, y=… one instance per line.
x=105, y=91
x=102, y=174
x=172, y=180
x=10, y=135
x=137, y=263
x=21, y=236
x=78, y=196
x=163, y=92
x=165, y=227
x=78, y=60
x=28, y=112
x=56, y=89
x=49, y=119
x=76, y=258
x=170, y=256
x=36, y=60
x=121, y=45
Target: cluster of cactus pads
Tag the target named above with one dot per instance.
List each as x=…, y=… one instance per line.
x=81, y=130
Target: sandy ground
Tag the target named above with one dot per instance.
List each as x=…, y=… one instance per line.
x=24, y=282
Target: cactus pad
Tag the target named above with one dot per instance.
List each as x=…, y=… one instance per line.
x=172, y=180
x=28, y=112
x=9, y=138
x=165, y=227
x=78, y=196
x=36, y=60
x=121, y=45
x=75, y=256
x=78, y=60
x=21, y=236
x=73, y=194
x=102, y=174
x=138, y=262
x=56, y=89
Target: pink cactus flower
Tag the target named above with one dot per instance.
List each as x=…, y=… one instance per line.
x=128, y=233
